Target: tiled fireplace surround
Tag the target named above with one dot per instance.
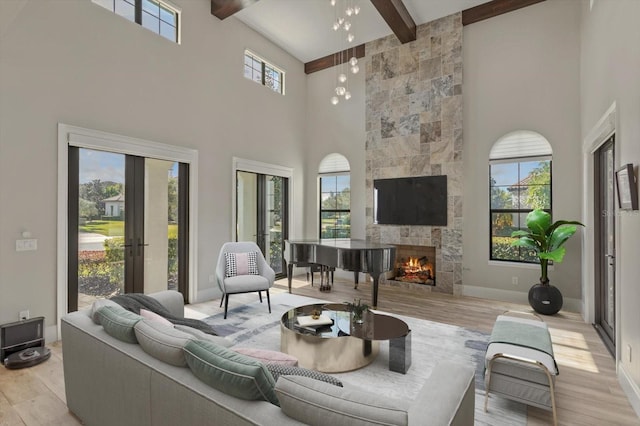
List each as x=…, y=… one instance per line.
x=414, y=128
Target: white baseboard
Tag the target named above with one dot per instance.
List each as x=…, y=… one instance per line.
x=570, y=304
x=630, y=388
x=207, y=294
x=51, y=334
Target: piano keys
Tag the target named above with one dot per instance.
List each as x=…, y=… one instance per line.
x=350, y=255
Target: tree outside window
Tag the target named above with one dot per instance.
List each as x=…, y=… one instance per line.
x=335, y=206
x=516, y=188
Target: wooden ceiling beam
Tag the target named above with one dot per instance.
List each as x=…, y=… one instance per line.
x=396, y=15
x=224, y=8
x=337, y=58
x=493, y=8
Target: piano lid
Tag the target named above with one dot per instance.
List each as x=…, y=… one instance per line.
x=351, y=244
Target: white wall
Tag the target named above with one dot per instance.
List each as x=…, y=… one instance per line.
x=74, y=62
x=521, y=71
x=335, y=128
x=610, y=71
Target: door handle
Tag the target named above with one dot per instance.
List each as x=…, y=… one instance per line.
x=130, y=245
x=141, y=244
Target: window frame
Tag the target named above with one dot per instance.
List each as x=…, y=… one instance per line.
x=264, y=66
x=338, y=211
x=139, y=13
x=517, y=211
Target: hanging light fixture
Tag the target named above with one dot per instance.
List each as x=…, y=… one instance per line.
x=345, y=11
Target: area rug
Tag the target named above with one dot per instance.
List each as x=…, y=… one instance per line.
x=252, y=326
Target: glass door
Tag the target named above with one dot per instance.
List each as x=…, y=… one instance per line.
x=127, y=225
x=605, y=256
x=261, y=214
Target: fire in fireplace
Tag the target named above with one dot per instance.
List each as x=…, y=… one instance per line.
x=415, y=264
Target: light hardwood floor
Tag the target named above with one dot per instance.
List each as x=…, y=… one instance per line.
x=587, y=391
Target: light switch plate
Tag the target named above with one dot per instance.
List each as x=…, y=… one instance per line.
x=27, y=245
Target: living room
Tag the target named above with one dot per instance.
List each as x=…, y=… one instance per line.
x=555, y=68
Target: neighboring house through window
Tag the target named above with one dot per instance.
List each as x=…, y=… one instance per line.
x=519, y=181
x=335, y=197
x=158, y=16
x=262, y=72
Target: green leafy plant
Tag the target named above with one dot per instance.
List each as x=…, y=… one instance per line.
x=357, y=308
x=546, y=239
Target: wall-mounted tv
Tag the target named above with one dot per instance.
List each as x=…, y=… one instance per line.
x=410, y=201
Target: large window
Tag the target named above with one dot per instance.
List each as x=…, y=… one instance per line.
x=158, y=16
x=335, y=197
x=519, y=181
x=262, y=72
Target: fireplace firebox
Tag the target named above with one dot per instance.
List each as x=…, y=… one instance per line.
x=415, y=264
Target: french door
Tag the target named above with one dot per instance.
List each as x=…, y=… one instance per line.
x=605, y=254
x=261, y=214
x=127, y=224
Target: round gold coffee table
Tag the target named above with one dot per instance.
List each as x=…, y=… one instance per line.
x=344, y=345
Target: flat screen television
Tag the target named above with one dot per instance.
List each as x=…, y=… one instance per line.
x=418, y=200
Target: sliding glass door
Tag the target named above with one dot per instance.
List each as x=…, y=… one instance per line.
x=261, y=214
x=127, y=225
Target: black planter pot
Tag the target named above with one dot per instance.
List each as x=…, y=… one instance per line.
x=545, y=299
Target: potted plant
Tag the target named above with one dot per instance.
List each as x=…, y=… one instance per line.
x=546, y=239
x=357, y=308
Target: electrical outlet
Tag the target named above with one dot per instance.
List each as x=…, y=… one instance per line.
x=514, y=280
x=24, y=315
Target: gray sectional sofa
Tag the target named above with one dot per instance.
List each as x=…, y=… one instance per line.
x=112, y=382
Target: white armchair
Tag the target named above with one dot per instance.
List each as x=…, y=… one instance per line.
x=244, y=283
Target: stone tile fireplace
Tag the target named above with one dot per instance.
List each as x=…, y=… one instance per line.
x=414, y=128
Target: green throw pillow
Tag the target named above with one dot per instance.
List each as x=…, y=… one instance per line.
x=119, y=323
x=230, y=372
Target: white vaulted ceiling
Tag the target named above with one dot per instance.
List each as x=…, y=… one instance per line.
x=303, y=27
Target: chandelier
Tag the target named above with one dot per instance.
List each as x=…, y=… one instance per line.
x=345, y=13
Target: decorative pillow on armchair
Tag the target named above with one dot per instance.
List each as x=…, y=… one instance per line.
x=241, y=264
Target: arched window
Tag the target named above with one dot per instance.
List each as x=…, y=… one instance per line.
x=519, y=181
x=335, y=197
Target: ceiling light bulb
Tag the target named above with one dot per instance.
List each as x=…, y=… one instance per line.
x=333, y=2
x=347, y=95
x=349, y=11
x=340, y=21
x=342, y=78
x=353, y=60
x=336, y=26
x=335, y=100
x=341, y=90
x=347, y=25
x=350, y=37
x=356, y=9
x=355, y=69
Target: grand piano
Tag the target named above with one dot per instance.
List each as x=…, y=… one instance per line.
x=350, y=255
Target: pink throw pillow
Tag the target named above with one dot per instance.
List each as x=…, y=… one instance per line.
x=267, y=356
x=152, y=316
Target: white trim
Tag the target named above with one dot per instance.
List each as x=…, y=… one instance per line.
x=598, y=135
x=95, y=139
x=241, y=164
x=569, y=304
x=630, y=388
